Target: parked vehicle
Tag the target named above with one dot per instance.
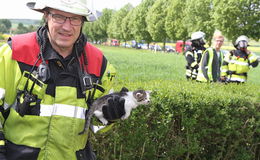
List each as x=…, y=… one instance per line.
x=181, y=46
x=114, y=42
x=126, y=45
x=155, y=48
x=144, y=46
x=169, y=49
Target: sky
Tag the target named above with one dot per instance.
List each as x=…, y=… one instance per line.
x=17, y=9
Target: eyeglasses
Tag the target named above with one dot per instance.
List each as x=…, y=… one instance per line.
x=57, y=18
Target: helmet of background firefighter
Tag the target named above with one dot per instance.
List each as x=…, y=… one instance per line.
x=198, y=38
x=241, y=42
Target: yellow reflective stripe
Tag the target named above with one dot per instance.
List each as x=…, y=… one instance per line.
x=239, y=62
x=194, y=64
x=2, y=142
x=237, y=79
x=252, y=57
x=2, y=93
x=62, y=110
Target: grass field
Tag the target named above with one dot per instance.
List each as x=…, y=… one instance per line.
x=143, y=65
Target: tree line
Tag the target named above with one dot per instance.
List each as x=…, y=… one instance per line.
x=171, y=20
x=6, y=27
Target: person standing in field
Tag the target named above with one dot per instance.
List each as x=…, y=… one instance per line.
x=194, y=54
x=238, y=62
x=211, y=61
x=49, y=79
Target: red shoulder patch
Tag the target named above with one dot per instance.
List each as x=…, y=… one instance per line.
x=25, y=48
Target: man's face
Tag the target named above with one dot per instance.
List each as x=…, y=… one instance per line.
x=62, y=32
x=219, y=42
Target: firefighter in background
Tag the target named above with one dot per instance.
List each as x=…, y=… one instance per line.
x=194, y=54
x=238, y=62
x=209, y=68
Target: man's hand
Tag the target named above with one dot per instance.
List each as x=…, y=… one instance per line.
x=115, y=108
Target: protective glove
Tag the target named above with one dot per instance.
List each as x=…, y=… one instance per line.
x=115, y=108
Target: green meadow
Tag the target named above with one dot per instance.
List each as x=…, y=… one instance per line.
x=134, y=65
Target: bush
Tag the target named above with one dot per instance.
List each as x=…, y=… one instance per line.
x=187, y=120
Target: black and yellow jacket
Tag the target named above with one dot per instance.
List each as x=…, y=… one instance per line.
x=50, y=128
x=236, y=65
x=193, y=58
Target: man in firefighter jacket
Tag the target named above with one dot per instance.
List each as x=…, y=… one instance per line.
x=211, y=61
x=194, y=54
x=48, y=80
x=238, y=62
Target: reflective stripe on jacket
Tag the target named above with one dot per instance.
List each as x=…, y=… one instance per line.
x=193, y=59
x=237, y=64
x=52, y=131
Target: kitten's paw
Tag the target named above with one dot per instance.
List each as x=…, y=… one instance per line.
x=124, y=117
x=104, y=121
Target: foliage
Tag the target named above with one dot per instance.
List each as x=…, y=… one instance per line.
x=236, y=18
x=138, y=23
x=174, y=24
x=163, y=20
x=97, y=31
x=23, y=29
x=126, y=35
x=5, y=25
x=199, y=17
x=186, y=120
x=156, y=20
x=2, y=37
x=115, y=28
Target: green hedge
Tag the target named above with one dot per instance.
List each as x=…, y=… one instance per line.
x=187, y=120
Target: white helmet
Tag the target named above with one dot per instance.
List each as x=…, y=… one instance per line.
x=78, y=7
x=241, y=38
x=197, y=35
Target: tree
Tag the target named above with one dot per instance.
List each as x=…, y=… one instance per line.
x=198, y=17
x=32, y=28
x=138, y=21
x=103, y=22
x=5, y=25
x=235, y=18
x=115, y=28
x=156, y=21
x=91, y=29
x=21, y=29
x=3, y=28
x=175, y=27
x=126, y=27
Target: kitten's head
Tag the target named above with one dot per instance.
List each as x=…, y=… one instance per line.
x=142, y=96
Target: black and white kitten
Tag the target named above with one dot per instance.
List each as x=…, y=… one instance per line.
x=132, y=100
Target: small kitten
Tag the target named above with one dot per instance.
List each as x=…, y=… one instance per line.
x=132, y=100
